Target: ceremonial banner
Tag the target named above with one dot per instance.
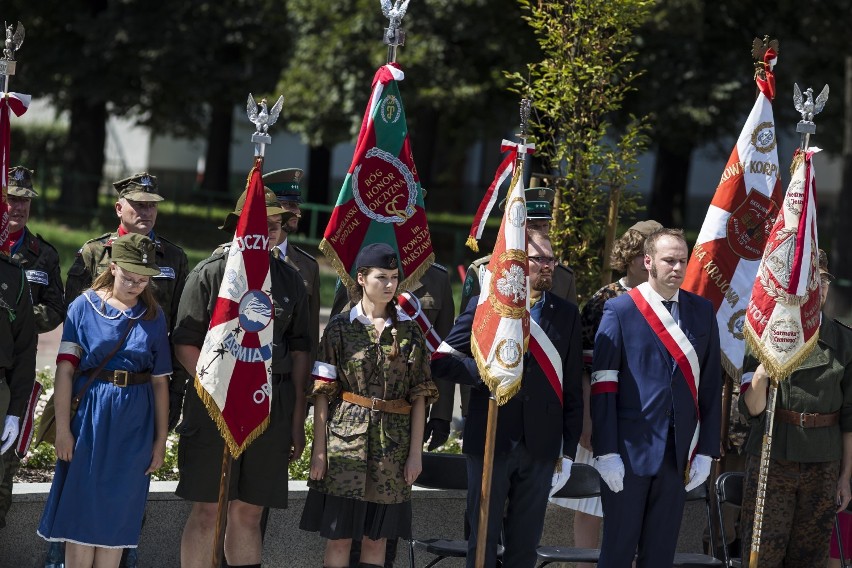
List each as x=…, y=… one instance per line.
x=233, y=371
x=17, y=103
x=728, y=249
x=501, y=325
x=783, y=317
x=381, y=200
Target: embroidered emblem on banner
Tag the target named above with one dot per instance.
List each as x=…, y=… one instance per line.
x=391, y=109
x=383, y=195
x=763, y=137
x=750, y=224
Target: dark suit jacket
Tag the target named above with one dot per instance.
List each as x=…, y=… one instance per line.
x=534, y=416
x=634, y=422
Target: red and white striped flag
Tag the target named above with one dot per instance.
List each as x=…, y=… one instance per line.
x=233, y=371
x=501, y=325
x=17, y=103
x=782, y=323
x=728, y=249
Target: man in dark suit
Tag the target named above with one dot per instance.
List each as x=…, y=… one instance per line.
x=535, y=428
x=655, y=403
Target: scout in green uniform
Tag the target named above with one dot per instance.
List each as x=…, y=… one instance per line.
x=19, y=340
x=285, y=185
x=40, y=262
x=371, y=384
x=259, y=475
x=811, y=462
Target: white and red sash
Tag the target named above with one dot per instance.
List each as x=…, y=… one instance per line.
x=547, y=357
x=28, y=422
x=411, y=306
x=675, y=342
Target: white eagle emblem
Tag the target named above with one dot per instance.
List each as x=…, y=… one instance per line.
x=263, y=117
x=513, y=283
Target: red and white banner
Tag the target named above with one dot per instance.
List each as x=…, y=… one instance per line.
x=504, y=170
x=233, y=371
x=18, y=104
x=501, y=325
x=25, y=436
x=783, y=318
x=728, y=249
x=409, y=304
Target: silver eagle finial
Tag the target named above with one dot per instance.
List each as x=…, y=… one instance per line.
x=14, y=41
x=806, y=105
x=394, y=12
x=263, y=117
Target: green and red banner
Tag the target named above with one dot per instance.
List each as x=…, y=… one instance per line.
x=381, y=199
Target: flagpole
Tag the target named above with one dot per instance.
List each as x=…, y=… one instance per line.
x=806, y=105
x=493, y=408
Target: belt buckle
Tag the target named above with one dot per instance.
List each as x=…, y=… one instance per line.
x=117, y=376
x=373, y=402
x=802, y=416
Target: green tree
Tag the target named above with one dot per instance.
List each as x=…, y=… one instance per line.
x=576, y=88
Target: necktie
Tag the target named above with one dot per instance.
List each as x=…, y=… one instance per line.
x=668, y=304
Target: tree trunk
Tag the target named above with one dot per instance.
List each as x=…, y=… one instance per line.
x=84, y=155
x=839, y=302
x=217, y=168
x=668, y=190
x=319, y=188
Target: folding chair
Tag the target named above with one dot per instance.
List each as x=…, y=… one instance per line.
x=694, y=560
x=442, y=471
x=583, y=483
x=729, y=492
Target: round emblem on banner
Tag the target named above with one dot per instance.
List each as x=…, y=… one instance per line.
x=255, y=311
x=763, y=137
x=508, y=353
x=784, y=334
x=736, y=324
x=517, y=212
x=390, y=109
x=384, y=188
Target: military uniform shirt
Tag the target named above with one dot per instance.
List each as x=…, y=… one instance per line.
x=367, y=450
x=94, y=258
x=308, y=268
x=18, y=337
x=564, y=284
x=40, y=262
x=823, y=384
x=289, y=300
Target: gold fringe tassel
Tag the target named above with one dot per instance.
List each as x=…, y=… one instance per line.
x=501, y=393
x=326, y=248
x=472, y=244
x=216, y=416
x=733, y=371
x=778, y=372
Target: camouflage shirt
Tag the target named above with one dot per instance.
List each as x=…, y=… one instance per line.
x=40, y=262
x=367, y=450
x=590, y=317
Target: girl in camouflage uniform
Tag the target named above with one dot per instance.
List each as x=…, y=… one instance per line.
x=372, y=385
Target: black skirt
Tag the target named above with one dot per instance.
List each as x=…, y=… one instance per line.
x=343, y=518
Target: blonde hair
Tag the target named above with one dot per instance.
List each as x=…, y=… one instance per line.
x=106, y=281
x=627, y=247
x=356, y=293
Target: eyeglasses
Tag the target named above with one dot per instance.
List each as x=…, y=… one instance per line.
x=542, y=259
x=130, y=283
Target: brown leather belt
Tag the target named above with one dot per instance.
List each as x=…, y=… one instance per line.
x=124, y=378
x=396, y=406
x=806, y=419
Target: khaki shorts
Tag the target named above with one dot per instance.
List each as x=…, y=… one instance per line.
x=258, y=476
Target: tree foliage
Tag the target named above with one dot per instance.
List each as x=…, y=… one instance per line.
x=576, y=87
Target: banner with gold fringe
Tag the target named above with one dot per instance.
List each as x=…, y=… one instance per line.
x=783, y=315
x=233, y=371
x=381, y=200
x=501, y=325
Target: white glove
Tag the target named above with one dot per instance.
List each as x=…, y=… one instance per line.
x=560, y=478
x=10, y=433
x=611, y=469
x=699, y=471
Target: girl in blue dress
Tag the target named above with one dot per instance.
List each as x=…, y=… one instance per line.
x=107, y=450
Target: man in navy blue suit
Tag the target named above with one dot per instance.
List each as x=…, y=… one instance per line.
x=539, y=426
x=656, y=406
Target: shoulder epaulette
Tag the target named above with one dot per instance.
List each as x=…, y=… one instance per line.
x=105, y=236
x=439, y=266
x=164, y=239
x=46, y=243
x=303, y=252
